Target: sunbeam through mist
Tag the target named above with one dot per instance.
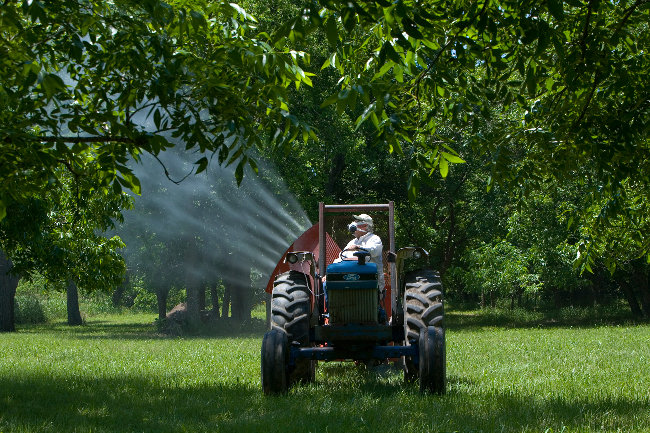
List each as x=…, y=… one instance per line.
x=207, y=229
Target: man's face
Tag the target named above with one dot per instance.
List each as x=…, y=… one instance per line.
x=362, y=229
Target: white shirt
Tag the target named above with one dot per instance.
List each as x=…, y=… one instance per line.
x=372, y=243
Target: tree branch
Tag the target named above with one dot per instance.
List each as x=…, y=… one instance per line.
x=589, y=98
x=69, y=167
x=91, y=139
x=585, y=32
x=177, y=182
x=628, y=13
x=437, y=55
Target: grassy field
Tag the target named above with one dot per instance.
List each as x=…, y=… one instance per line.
x=116, y=374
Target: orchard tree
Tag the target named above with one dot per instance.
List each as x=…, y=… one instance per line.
x=59, y=235
x=563, y=85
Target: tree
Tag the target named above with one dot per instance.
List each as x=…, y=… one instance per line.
x=59, y=235
x=543, y=92
x=80, y=78
x=88, y=85
x=8, y=285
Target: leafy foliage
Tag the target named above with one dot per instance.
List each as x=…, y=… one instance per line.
x=59, y=234
x=564, y=85
x=95, y=80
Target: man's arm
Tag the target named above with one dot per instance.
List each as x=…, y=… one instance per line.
x=374, y=245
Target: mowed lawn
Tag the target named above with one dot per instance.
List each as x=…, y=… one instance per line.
x=116, y=374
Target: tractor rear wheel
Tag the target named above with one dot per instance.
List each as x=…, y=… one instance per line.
x=275, y=362
x=290, y=312
x=423, y=307
x=432, y=366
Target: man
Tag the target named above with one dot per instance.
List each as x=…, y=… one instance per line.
x=366, y=239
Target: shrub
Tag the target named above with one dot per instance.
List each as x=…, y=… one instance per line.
x=145, y=301
x=28, y=309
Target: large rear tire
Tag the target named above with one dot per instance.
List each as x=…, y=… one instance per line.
x=290, y=312
x=423, y=307
x=275, y=362
x=290, y=306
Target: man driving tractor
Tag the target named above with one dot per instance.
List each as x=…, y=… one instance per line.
x=365, y=239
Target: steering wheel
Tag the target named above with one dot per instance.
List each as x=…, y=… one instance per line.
x=359, y=250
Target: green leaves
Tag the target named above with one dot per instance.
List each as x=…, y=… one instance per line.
x=133, y=73
x=202, y=165
x=453, y=158
x=51, y=85
x=331, y=30
x=128, y=180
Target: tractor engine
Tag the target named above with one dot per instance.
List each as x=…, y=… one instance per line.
x=352, y=295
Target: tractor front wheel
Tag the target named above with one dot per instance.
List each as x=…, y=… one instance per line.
x=275, y=362
x=432, y=368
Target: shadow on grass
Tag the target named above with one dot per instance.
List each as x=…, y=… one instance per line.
x=521, y=318
x=129, y=404
x=107, y=329
x=97, y=329
x=224, y=328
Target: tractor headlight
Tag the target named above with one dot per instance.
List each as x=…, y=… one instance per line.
x=417, y=254
x=292, y=258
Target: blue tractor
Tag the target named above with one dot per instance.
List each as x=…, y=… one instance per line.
x=324, y=309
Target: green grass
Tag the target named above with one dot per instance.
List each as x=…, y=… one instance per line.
x=116, y=374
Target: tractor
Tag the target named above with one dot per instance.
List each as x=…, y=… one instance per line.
x=324, y=309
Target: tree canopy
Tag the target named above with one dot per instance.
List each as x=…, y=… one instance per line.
x=81, y=80
x=551, y=90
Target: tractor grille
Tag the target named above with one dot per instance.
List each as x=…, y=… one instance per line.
x=352, y=306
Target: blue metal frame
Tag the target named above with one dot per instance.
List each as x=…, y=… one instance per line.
x=370, y=333
x=330, y=353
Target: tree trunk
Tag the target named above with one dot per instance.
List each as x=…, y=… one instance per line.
x=449, y=249
x=193, y=312
x=644, y=294
x=637, y=291
x=631, y=299
x=192, y=288
x=74, y=316
x=333, y=186
x=215, y=301
x=161, y=300
x=241, y=299
x=8, y=285
x=201, y=293
x=119, y=291
x=226, y=303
